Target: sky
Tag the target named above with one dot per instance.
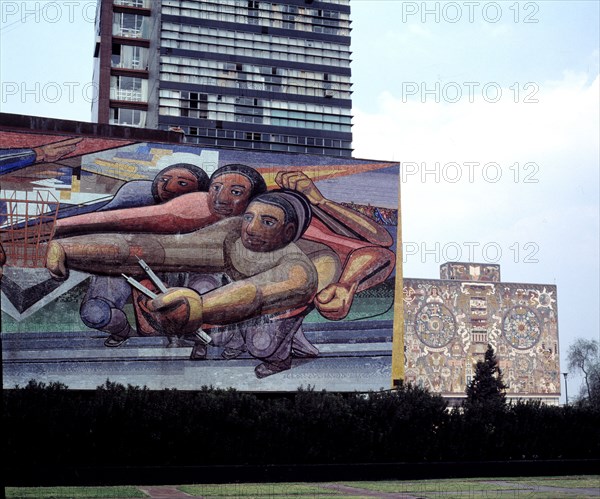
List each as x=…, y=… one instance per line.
x=492, y=109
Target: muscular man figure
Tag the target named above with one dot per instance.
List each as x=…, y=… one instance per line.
x=230, y=188
x=270, y=274
x=105, y=298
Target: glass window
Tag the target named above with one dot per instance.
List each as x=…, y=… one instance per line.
x=130, y=25
x=130, y=117
x=128, y=88
x=129, y=57
x=134, y=3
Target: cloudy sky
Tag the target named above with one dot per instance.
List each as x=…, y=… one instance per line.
x=491, y=107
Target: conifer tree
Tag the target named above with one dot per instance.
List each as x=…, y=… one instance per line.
x=487, y=387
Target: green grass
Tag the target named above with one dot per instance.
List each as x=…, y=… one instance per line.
x=474, y=488
x=72, y=492
x=429, y=486
x=249, y=490
x=585, y=482
x=484, y=487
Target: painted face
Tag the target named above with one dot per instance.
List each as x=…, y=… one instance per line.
x=264, y=228
x=174, y=183
x=228, y=194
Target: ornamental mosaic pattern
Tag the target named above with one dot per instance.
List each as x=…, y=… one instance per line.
x=449, y=323
x=522, y=327
x=435, y=325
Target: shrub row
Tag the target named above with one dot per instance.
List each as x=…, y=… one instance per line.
x=131, y=426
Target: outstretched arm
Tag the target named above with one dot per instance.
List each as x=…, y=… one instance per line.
x=360, y=225
x=182, y=214
x=286, y=286
x=113, y=254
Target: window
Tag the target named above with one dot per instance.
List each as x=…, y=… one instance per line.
x=134, y=3
x=128, y=88
x=130, y=117
x=130, y=25
x=129, y=57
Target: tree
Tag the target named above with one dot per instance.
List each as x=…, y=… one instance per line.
x=583, y=356
x=487, y=387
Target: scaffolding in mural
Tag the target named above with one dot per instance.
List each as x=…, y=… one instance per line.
x=26, y=224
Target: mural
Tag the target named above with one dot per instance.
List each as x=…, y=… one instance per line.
x=174, y=265
x=450, y=322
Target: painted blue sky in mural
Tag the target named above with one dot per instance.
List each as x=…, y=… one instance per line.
x=492, y=108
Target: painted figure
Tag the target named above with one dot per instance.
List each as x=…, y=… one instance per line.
x=230, y=188
x=106, y=296
x=270, y=275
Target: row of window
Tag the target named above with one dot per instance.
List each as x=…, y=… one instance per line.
x=213, y=65
x=312, y=121
x=234, y=6
x=318, y=25
x=137, y=118
x=182, y=98
x=265, y=137
x=249, y=52
x=231, y=37
x=269, y=146
x=287, y=86
x=265, y=87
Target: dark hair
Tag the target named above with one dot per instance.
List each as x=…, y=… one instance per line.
x=295, y=205
x=258, y=183
x=199, y=173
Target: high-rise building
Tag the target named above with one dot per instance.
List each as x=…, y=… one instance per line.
x=253, y=74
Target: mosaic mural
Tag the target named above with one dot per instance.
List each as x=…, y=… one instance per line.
x=450, y=322
x=174, y=265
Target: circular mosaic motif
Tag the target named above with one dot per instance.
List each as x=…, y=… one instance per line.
x=522, y=327
x=435, y=325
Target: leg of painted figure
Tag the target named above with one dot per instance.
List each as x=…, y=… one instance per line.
x=231, y=338
x=102, y=308
x=301, y=347
x=271, y=342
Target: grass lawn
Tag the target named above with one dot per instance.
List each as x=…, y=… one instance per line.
x=258, y=490
x=528, y=487
x=73, y=492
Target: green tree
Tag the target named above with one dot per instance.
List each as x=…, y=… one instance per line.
x=584, y=356
x=487, y=386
